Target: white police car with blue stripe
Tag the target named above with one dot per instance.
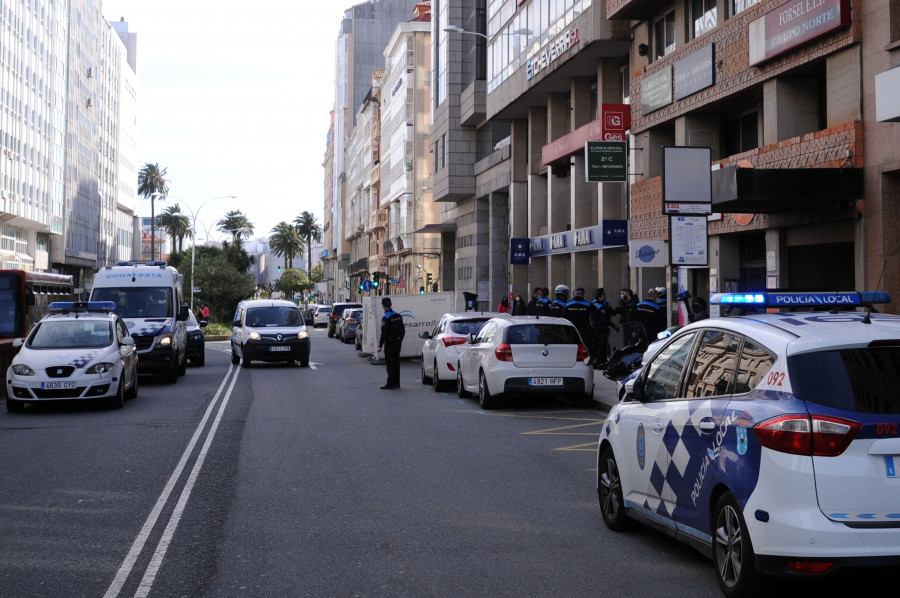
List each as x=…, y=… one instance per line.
x=768, y=441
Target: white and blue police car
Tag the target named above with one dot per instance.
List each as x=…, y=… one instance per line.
x=79, y=351
x=768, y=441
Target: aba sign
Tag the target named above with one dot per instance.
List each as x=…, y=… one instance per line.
x=519, y=251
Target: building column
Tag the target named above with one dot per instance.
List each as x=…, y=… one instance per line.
x=499, y=247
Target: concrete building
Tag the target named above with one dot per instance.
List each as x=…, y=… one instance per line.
x=126, y=234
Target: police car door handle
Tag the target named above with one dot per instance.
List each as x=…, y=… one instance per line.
x=707, y=424
x=657, y=426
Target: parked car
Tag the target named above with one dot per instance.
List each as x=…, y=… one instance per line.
x=196, y=340
x=337, y=310
x=309, y=312
x=269, y=330
x=525, y=355
x=768, y=442
x=320, y=318
x=348, y=324
x=79, y=351
x=445, y=341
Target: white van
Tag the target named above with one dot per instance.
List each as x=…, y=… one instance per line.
x=269, y=330
x=149, y=297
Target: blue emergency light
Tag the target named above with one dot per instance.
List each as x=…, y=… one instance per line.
x=82, y=306
x=792, y=299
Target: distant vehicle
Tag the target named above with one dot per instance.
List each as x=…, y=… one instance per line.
x=320, y=318
x=196, y=340
x=149, y=297
x=80, y=351
x=337, y=311
x=348, y=324
x=444, y=343
x=525, y=355
x=269, y=330
x=309, y=312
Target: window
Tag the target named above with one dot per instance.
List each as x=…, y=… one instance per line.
x=712, y=372
x=741, y=134
x=664, y=35
x=703, y=16
x=754, y=364
x=664, y=373
x=741, y=5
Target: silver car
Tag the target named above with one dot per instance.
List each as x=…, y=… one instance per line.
x=443, y=344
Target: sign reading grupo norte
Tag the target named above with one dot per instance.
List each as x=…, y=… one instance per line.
x=794, y=23
x=557, y=48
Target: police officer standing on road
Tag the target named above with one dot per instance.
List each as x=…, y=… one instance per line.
x=648, y=312
x=578, y=311
x=542, y=305
x=558, y=305
x=392, y=332
x=601, y=319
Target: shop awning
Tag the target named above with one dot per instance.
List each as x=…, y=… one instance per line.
x=765, y=190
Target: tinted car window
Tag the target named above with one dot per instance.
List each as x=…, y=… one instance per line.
x=664, y=372
x=273, y=316
x=712, y=371
x=466, y=327
x=542, y=334
x=861, y=380
x=84, y=333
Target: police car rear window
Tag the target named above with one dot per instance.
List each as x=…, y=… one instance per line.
x=542, y=334
x=860, y=380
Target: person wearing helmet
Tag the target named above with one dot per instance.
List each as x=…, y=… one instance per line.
x=578, y=311
x=542, y=305
x=558, y=305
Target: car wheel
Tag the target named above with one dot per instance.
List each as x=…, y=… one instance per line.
x=609, y=490
x=460, y=389
x=245, y=359
x=132, y=392
x=425, y=378
x=235, y=358
x=435, y=379
x=172, y=375
x=14, y=406
x=330, y=332
x=182, y=367
x=200, y=360
x=304, y=359
x=118, y=401
x=484, y=395
x=732, y=550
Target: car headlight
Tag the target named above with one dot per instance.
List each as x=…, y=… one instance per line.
x=253, y=336
x=20, y=369
x=302, y=334
x=165, y=340
x=99, y=368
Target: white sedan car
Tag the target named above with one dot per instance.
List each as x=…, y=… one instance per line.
x=528, y=355
x=443, y=344
x=79, y=351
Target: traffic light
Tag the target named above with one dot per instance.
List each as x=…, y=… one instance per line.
x=421, y=290
x=279, y=268
x=375, y=281
x=360, y=286
x=428, y=279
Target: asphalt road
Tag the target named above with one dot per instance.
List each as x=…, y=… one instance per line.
x=289, y=481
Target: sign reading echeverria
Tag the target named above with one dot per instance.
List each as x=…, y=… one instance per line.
x=793, y=23
x=557, y=48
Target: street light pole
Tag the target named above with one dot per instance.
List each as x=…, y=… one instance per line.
x=194, y=238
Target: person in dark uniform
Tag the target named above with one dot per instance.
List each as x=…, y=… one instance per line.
x=392, y=332
x=542, y=306
x=698, y=310
x=532, y=304
x=558, y=305
x=578, y=311
x=647, y=312
x=601, y=319
x=627, y=303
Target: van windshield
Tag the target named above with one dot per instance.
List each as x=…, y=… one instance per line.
x=138, y=302
x=258, y=317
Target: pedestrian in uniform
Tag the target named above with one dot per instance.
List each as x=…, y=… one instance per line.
x=648, y=312
x=601, y=319
x=542, y=306
x=392, y=332
x=578, y=311
x=558, y=305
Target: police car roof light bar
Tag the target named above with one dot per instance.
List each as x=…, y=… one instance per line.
x=82, y=306
x=785, y=299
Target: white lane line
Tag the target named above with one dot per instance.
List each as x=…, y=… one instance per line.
x=138, y=545
x=169, y=533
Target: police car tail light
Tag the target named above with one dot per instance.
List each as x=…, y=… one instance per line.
x=801, y=435
x=449, y=341
x=503, y=352
x=811, y=567
x=583, y=352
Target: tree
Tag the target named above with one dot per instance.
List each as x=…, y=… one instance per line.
x=223, y=277
x=176, y=224
x=286, y=242
x=236, y=224
x=152, y=182
x=292, y=281
x=310, y=231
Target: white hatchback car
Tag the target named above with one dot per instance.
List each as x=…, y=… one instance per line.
x=445, y=341
x=525, y=354
x=321, y=315
x=79, y=351
x=769, y=442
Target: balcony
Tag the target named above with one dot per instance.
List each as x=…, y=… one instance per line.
x=388, y=247
x=377, y=264
x=378, y=219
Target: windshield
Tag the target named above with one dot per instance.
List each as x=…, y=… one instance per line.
x=861, y=380
x=71, y=333
x=259, y=317
x=466, y=327
x=138, y=302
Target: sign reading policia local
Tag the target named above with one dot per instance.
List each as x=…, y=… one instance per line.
x=605, y=161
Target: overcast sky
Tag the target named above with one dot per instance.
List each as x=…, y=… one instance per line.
x=235, y=99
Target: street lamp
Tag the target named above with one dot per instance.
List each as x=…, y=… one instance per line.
x=458, y=29
x=153, y=197
x=194, y=235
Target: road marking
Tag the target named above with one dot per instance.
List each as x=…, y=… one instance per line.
x=137, y=546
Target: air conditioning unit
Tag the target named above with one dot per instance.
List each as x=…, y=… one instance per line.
x=89, y=103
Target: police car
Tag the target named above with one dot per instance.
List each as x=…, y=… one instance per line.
x=78, y=351
x=770, y=442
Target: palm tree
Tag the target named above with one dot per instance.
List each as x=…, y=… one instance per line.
x=310, y=231
x=177, y=225
x=236, y=223
x=152, y=182
x=286, y=241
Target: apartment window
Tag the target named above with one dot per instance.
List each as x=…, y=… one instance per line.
x=741, y=134
x=664, y=35
x=894, y=20
x=703, y=16
x=741, y=5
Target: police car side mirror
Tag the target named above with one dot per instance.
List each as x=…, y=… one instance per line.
x=470, y=339
x=183, y=313
x=426, y=335
x=236, y=323
x=637, y=389
x=202, y=323
x=127, y=342
x=18, y=343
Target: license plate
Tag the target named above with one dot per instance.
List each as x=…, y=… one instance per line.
x=280, y=348
x=545, y=381
x=58, y=385
x=889, y=467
